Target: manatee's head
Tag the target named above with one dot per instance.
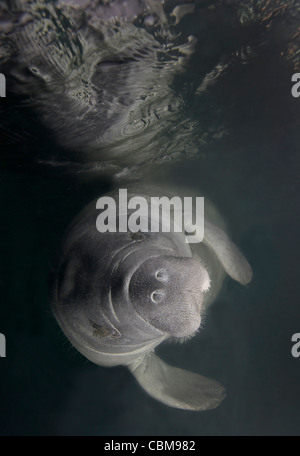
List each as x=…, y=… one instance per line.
x=168, y=292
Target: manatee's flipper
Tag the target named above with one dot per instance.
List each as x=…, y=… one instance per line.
x=177, y=387
x=232, y=260
x=230, y=257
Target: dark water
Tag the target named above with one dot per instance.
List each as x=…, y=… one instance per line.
x=251, y=172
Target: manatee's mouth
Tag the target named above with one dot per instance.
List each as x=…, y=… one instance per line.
x=197, y=300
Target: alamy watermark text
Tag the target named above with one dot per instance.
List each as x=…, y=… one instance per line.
x=2, y=346
x=161, y=215
x=2, y=85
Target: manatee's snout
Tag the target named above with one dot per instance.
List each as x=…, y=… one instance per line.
x=168, y=292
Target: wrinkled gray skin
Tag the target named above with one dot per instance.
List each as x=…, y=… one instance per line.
x=117, y=296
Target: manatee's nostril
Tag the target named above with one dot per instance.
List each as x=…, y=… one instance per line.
x=157, y=296
x=161, y=275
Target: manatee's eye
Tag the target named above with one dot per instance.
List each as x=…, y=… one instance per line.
x=161, y=275
x=157, y=296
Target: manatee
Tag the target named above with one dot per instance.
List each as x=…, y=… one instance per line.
x=118, y=295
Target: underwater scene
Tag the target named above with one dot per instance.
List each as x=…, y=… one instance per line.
x=149, y=188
